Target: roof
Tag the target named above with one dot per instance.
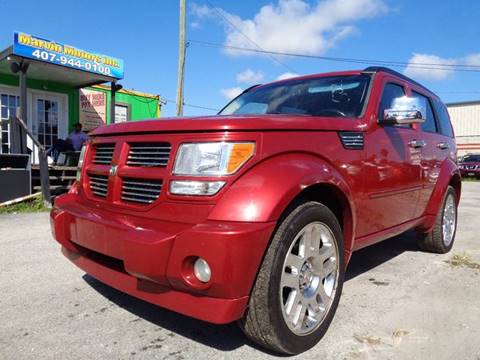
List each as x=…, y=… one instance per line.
x=463, y=103
x=376, y=69
x=40, y=70
x=130, y=92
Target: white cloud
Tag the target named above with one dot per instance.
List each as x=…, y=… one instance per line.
x=294, y=25
x=230, y=93
x=249, y=77
x=428, y=67
x=472, y=60
x=200, y=11
x=286, y=75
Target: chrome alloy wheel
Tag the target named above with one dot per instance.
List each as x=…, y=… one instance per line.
x=449, y=220
x=309, y=279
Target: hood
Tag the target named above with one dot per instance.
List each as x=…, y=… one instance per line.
x=233, y=123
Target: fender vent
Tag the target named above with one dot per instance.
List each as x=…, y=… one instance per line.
x=352, y=140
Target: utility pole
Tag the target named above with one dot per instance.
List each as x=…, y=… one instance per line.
x=181, y=59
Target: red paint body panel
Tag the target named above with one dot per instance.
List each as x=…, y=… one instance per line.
x=148, y=250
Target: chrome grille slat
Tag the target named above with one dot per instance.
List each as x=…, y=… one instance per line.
x=98, y=185
x=149, y=154
x=144, y=191
x=126, y=198
x=103, y=154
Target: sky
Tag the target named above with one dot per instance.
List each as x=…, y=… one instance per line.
x=145, y=34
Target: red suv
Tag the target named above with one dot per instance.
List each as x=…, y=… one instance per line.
x=470, y=165
x=253, y=214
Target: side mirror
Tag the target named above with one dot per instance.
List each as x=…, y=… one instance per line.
x=405, y=110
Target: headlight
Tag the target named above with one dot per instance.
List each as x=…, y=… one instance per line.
x=80, y=162
x=212, y=159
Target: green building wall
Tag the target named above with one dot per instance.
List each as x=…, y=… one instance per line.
x=142, y=106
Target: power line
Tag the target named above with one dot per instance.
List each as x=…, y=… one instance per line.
x=426, y=66
x=192, y=105
x=289, y=68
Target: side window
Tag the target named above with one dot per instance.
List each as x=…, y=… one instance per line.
x=443, y=118
x=390, y=92
x=430, y=124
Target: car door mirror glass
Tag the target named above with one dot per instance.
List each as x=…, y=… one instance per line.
x=406, y=110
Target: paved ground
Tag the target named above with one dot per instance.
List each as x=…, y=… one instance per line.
x=398, y=303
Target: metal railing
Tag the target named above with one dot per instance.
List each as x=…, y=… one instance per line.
x=18, y=132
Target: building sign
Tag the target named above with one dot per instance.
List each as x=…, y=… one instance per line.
x=121, y=113
x=36, y=48
x=93, y=106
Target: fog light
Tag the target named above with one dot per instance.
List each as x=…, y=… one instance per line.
x=202, y=271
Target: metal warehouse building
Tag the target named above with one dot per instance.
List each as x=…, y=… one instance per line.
x=466, y=123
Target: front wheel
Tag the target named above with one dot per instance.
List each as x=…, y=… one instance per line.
x=440, y=239
x=298, y=287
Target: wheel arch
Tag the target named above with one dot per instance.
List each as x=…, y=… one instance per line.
x=269, y=190
x=336, y=200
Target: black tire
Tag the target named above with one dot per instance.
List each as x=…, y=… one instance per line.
x=263, y=321
x=434, y=241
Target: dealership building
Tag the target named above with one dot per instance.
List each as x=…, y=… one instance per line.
x=53, y=86
x=465, y=118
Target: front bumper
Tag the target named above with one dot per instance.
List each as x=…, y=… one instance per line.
x=468, y=173
x=152, y=259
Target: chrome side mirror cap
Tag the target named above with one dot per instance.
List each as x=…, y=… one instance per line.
x=406, y=110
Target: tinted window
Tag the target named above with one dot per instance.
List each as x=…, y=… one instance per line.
x=471, y=158
x=430, y=124
x=390, y=93
x=334, y=96
x=443, y=118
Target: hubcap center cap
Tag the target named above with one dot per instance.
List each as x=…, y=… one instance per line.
x=306, y=276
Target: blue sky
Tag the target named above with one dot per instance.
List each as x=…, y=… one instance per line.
x=145, y=34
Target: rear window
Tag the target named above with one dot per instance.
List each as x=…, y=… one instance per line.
x=443, y=118
x=471, y=158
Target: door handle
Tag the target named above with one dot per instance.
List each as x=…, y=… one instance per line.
x=417, y=144
x=443, y=145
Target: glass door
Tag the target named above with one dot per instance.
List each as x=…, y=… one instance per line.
x=49, y=120
x=8, y=107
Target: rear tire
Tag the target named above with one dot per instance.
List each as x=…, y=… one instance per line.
x=441, y=238
x=299, y=284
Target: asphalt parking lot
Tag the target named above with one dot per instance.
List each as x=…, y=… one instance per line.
x=398, y=303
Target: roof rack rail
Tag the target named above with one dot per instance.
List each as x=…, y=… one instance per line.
x=375, y=69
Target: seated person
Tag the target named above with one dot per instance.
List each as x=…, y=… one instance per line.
x=74, y=142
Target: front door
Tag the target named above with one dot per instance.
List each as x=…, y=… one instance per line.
x=49, y=120
x=9, y=103
x=392, y=171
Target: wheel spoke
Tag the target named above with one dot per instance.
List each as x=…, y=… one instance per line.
x=324, y=298
x=294, y=261
x=326, y=251
x=290, y=280
x=328, y=267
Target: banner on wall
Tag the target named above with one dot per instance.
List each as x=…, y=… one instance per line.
x=93, y=106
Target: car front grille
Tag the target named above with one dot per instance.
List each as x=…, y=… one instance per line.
x=143, y=191
x=149, y=154
x=99, y=185
x=103, y=154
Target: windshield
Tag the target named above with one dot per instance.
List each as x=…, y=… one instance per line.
x=470, y=158
x=335, y=96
